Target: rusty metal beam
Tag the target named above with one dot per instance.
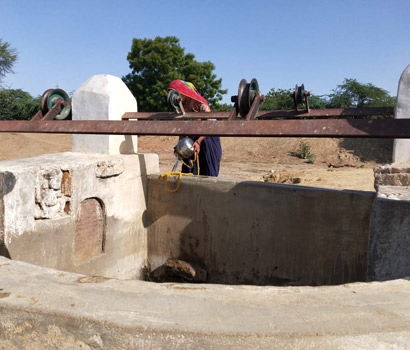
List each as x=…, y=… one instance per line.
x=374, y=128
x=313, y=113
x=53, y=112
x=172, y=116
x=330, y=112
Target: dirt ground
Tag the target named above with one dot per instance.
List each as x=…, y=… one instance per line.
x=339, y=163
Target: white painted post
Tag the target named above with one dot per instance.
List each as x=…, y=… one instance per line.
x=103, y=97
x=401, y=148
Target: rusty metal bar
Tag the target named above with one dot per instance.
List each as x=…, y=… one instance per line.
x=330, y=112
x=372, y=128
x=318, y=113
x=53, y=112
x=172, y=116
x=37, y=116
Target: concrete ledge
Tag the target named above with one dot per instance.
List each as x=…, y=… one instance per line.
x=52, y=309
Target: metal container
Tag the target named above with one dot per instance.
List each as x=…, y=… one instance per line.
x=184, y=148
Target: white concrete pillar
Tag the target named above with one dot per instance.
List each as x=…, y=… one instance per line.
x=401, y=148
x=103, y=97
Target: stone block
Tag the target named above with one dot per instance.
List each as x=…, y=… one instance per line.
x=392, y=175
x=401, y=148
x=394, y=192
x=103, y=97
x=389, y=240
x=109, y=168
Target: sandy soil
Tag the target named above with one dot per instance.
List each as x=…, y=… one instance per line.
x=339, y=163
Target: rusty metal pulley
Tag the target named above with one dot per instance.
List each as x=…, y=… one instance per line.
x=174, y=99
x=246, y=95
x=298, y=94
x=49, y=99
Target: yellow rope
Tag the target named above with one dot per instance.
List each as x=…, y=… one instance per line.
x=164, y=176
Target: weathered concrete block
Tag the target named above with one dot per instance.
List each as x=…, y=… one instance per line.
x=392, y=179
x=401, y=148
x=392, y=175
x=394, y=192
x=77, y=212
x=103, y=97
x=395, y=168
x=109, y=168
x=389, y=240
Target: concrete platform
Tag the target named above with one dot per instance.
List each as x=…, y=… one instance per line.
x=48, y=309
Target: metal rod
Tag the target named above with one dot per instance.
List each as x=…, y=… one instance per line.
x=375, y=128
x=324, y=113
x=330, y=112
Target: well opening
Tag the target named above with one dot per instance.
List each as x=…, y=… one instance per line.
x=228, y=232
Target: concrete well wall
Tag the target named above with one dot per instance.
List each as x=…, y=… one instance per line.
x=77, y=212
x=258, y=233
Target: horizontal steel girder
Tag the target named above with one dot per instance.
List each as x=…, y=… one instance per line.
x=372, y=128
x=313, y=113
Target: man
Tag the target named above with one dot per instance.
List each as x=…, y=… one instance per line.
x=207, y=148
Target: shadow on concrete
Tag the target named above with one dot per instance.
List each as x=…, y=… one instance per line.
x=261, y=234
x=9, y=182
x=145, y=188
x=4, y=251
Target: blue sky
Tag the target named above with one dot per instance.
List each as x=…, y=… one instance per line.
x=280, y=43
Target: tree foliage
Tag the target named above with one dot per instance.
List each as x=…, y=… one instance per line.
x=222, y=107
x=281, y=99
x=8, y=57
x=349, y=94
x=17, y=105
x=278, y=99
x=353, y=94
x=156, y=62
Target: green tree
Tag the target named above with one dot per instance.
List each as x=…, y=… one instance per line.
x=282, y=99
x=352, y=94
x=8, y=57
x=222, y=107
x=154, y=63
x=278, y=99
x=317, y=102
x=17, y=105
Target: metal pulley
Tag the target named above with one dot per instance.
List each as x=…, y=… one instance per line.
x=50, y=98
x=246, y=95
x=247, y=102
x=299, y=96
x=174, y=100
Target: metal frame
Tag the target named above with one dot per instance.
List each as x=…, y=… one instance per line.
x=316, y=123
x=367, y=128
x=313, y=113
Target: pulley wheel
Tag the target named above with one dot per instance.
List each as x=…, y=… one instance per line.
x=241, y=98
x=173, y=99
x=298, y=94
x=49, y=99
x=246, y=95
